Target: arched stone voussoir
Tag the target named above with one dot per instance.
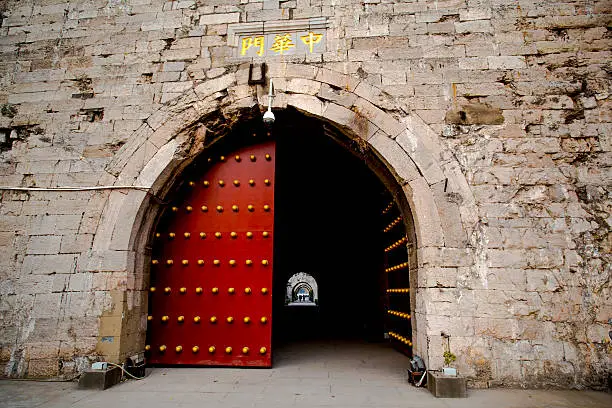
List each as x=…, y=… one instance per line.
x=408, y=148
x=422, y=157
x=427, y=223
x=307, y=104
x=398, y=161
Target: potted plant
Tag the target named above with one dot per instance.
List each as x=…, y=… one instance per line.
x=448, y=355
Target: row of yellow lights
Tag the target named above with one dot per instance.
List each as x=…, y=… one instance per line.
x=219, y=235
x=403, y=339
x=239, y=159
x=397, y=267
x=393, y=224
x=212, y=320
x=220, y=208
x=216, y=262
x=214, y=291
x=399, y=314
x=399, y=290
x=396, y=244
x=388, y=208
x=211, y=349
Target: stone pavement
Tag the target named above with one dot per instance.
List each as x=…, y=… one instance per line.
x=315, y=375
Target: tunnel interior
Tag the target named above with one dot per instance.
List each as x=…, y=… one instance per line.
x=327, y=224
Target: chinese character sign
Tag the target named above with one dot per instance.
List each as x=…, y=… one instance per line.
x=282, y=43
x=295, y=43
x=311, y=39
x=257, y=41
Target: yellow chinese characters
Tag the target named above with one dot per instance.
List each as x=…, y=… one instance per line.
x=282, y=43
x=311, y=39
x=249, y=42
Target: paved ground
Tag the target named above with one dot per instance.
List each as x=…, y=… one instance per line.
x=331, y=375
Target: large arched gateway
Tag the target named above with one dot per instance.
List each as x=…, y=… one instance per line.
x=402, y=157
x=251, y=209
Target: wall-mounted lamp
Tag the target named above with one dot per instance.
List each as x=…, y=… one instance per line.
x=268, y=117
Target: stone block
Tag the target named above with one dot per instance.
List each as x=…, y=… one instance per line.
x=173, y=66
x=306, y=103
x=337, y=79
x=476, y=13
x=443, y=386
x=345, y=117
x=303, y=86
x=100, y=379
x=269, y=15
x=109, y=261
x=47, y=305
x=420, y=154
x=506, y=62
x=34, y=284
x=378, y=117
x=339, y=96
x=76, y=243
x=44, y=244
x=392, y=152
x=477, y=26
x=475, y=113
x=47, y=264
x=427, y=225
x=444, y=257
x=187, y=54
x=214, y=85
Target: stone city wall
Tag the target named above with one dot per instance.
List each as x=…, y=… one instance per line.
x=510, y=96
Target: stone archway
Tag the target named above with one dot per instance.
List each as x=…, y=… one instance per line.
x=441, y=203
x=301, y=278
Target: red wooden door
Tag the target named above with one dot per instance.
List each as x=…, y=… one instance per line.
x=210, y=300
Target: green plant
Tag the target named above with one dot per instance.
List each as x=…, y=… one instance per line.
x=448, y=357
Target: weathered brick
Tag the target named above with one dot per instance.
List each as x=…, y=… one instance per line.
x=44, y=244
x=210, y=19
x=48, y=264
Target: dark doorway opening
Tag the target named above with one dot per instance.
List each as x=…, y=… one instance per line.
x=328, y=206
